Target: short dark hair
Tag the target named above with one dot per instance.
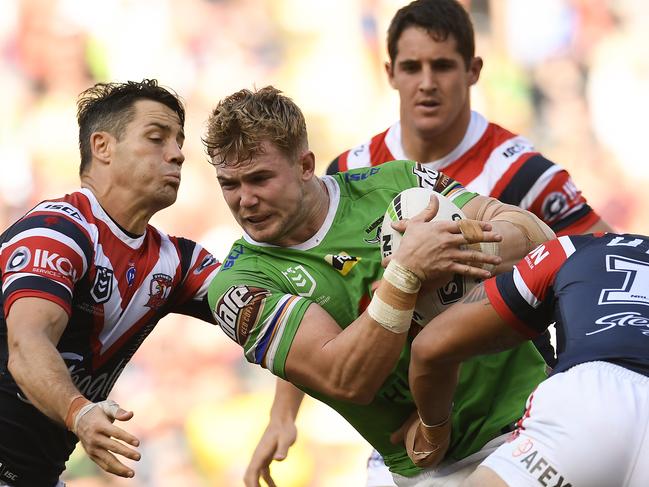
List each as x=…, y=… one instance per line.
x=440, y=18
x=243, y=121
x=110, y=107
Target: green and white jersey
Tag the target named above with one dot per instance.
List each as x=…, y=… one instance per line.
x=262, y=292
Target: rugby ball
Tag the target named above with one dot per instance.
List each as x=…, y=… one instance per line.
x=406, y=205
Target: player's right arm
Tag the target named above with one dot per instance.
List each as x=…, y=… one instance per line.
x=34, y=327
x=42, y=257
x=298, y=340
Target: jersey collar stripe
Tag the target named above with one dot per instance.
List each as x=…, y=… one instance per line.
x=476, y=129
x=100, y=214
x=334, y=201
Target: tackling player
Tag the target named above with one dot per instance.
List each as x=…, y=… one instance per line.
x=588, y=423
x=294, y=289
x=85, y=279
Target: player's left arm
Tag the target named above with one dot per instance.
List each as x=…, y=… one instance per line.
x=435, y=359
x=446, y=341
x=548, y=190
x=521, y=230
x=197, y=269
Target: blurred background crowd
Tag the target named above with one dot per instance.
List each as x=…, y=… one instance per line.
x=572, y=75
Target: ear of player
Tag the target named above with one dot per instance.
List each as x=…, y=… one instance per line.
x=406, y=205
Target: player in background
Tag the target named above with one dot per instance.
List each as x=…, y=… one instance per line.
x=85, y=279
x=432, y=64
x=295, y=291
x=588, y=423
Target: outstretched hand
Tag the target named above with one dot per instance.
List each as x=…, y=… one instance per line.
x=93, y=425
x=273, y=445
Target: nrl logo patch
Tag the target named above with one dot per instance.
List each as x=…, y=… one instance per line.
x=342, y=262
x=102, y=289
x=159, y=290
x=301, y=280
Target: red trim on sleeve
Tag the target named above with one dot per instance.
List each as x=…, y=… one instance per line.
x=504, y=312
x=32, y=293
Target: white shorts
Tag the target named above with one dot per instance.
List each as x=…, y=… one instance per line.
x=378, y=474
x=583, y=427
x=446, y=474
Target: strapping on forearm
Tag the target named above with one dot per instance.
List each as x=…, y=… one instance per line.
x=533, y=229
x=394, y=301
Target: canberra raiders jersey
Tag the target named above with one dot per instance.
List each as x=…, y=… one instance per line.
x=262, y=292
x=596, y=289
x=492, y=161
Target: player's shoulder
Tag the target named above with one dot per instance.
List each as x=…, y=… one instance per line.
x=241, y=262
x=372, y=152
x=502, y=145
x=391, y=175
x=73, y=206
x=242, y=267
x=67, y=216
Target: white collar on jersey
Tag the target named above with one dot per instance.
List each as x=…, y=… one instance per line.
x=100, y=214
x=334, y=200
x=477, y=126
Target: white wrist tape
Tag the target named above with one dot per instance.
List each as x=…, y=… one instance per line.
x=390, y=318
x=109, y=407
x=402, y=278
x=394, y=319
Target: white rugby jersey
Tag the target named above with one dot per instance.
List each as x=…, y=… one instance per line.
x=492, y=161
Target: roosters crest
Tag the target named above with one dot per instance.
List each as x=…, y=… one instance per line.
x=159, y=290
